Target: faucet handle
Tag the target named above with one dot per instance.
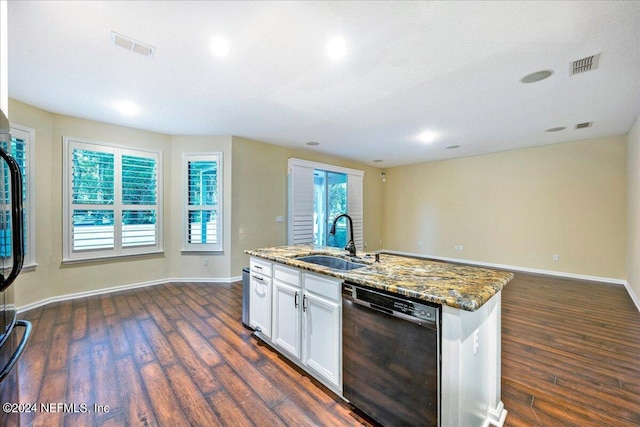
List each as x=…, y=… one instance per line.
x=351, y=247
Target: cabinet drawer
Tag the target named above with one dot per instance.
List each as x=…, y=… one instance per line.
x=322, y=286
x=287, y=275
x=259, y=266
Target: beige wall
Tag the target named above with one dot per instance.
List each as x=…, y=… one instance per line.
x=633, y=212
x=255, y=184
x=514, y=208
x=259, y=191
x=517, y=208
x=52, y=278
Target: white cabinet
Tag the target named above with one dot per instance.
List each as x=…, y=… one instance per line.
x=322, y=343
x=322, y=335
x=307, y=322
x=287, y=293
x=260, y=304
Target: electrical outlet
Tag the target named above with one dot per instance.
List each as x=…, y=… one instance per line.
x=476, y=342
x=556, y=257
x=279, y=219
x=457, y=247
x=205, y=262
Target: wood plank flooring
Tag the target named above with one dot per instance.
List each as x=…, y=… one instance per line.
x=168, y=355
x=570, y=353
x=177, y=355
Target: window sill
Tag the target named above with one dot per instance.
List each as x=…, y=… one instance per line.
x=192, y=252
x=116, y=258
x=29, y=267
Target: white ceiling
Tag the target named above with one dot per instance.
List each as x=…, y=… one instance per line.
x=453, y=68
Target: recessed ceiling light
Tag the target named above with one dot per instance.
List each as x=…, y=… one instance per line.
x=452, y=147
x=537, y=76
x=427, y=136
x=312, y=143
x=377, y=161
x=219, y=47
x=336, y=48
x=559, y=128
x=128, y=108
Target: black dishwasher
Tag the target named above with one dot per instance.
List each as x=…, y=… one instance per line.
x=391, y=357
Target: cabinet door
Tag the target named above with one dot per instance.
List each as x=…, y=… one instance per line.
x=322, y=337
x=260, y=303
x=286, y=321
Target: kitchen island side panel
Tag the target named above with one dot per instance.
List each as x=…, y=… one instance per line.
x=471, y=366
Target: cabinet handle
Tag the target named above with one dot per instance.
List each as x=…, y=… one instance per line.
x=304, y=303
x=295, y=300
x=258, y=267
x=258, y=278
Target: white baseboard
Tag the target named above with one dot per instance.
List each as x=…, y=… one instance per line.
x=496, y=417
x=75, y=295
x=632, y=294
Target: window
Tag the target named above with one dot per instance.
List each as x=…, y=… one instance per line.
x=330, y=200
x=21, y=148
x=203, y=194
x=317, y=194
x=112, y=200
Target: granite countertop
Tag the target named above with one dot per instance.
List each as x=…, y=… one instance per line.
x=459, y=286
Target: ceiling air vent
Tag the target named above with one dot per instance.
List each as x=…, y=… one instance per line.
x=583, y=65
x=584, y=125
x=132, y=44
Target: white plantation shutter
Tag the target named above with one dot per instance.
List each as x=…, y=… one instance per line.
x=301, y=194
x=92, y=197
x=139, y=199
x=300, y=204
x=112, y=200
x=355, y=207
x=21, y=148
x=203, y=204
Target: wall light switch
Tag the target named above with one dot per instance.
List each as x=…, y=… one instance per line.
x=279, y=219
x=556, y=257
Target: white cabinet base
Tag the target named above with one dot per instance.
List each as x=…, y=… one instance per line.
x=306, y=323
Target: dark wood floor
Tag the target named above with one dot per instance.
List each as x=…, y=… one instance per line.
x=177, y=354
x=570, y=353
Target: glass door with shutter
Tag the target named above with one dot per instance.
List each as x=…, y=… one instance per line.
x=330, y=200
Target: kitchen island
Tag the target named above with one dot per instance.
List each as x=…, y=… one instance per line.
x=470, y=300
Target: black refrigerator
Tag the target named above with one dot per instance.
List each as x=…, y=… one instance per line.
x=14, y=333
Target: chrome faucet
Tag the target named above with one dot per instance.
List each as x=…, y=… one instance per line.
x=351, y=246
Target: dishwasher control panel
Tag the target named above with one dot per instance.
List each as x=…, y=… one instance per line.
x=391, y=303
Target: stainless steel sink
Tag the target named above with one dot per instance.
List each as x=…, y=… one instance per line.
x=331, y=262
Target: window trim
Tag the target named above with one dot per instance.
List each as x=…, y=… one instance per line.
x=118, y=251
x=201, y=248
x=29, y=256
